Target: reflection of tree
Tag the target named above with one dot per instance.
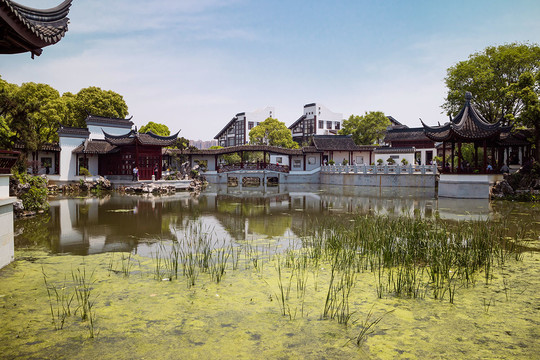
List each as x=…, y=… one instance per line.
x=275, y=225
x=37, y=231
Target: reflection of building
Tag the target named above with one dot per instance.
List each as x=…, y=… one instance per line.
x=92, y=225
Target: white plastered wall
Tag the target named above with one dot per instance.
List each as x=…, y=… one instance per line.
x=68, y=160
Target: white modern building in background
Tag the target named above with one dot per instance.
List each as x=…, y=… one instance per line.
x=236, y=132
x=316, y=120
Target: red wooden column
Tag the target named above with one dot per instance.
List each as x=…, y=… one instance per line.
x=485, y=155
x=444, y=156
x=475, y=155
x=459, y=156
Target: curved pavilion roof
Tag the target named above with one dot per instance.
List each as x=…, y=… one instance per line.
x=148, y=138
x=467, y=126
x=27, y=29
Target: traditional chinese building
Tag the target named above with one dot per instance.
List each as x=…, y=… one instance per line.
x=341, y=149
x=469, y=126
x=26, y=29
x=402, y=139
x=110, y=147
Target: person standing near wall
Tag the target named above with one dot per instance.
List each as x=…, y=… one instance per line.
x=135, y=174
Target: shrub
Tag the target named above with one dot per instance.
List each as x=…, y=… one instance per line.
x=380, y=161
x=345, y=162
x=84, y=172
x=404, y=161
x=35, y=197
x=390, y=161
x=331, y=162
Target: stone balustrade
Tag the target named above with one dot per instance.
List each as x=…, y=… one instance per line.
x=380, y=169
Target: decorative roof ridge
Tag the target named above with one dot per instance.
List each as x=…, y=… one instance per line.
x=59, y=10
x=125, y=136
x=159, y=137
x=93, y=117
x=406, y=129
x=31, y=18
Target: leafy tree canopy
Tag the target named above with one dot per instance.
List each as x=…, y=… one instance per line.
x=156, y=128
x=272, y=132
x=36, y=115
x=93, y=100
x=489, y=75
x=527, y=89
x=181, y=143
x=367, y=129
x=32, y=113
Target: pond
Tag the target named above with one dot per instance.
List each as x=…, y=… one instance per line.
x=282, y=272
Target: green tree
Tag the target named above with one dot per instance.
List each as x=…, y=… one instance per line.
x=528, y=90
x=367, y=129
x=93, y=100
x=7, y=104
x=272, y=132
x=489, y=75
x=181, y=143
x=35, y=117
x=156, y=128
x=232, y=158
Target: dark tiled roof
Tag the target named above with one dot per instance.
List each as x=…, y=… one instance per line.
x=44, y=147
x=310, y=149
x=334, y=143
x=468, y=125
x=297, y=121
x=233, y=149
x=94, y=147
x=405, y=134
x=148, y=138
x=108, y=121
x=521, y=137
x=73, y=132
x=28, y=29
x=394, y=150
x=226, y=127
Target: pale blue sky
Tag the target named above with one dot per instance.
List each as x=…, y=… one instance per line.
x=194, y=64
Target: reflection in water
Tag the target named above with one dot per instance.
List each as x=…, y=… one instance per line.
x=134, y=223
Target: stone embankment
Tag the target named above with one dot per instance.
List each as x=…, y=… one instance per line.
x=523, y=185
x=195, y=186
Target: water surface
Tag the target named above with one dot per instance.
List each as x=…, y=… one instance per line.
x=138, y=315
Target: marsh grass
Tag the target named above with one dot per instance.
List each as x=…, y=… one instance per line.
x=409, y=257
x=368, y=325
x=60, y=300
x=86, y=300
